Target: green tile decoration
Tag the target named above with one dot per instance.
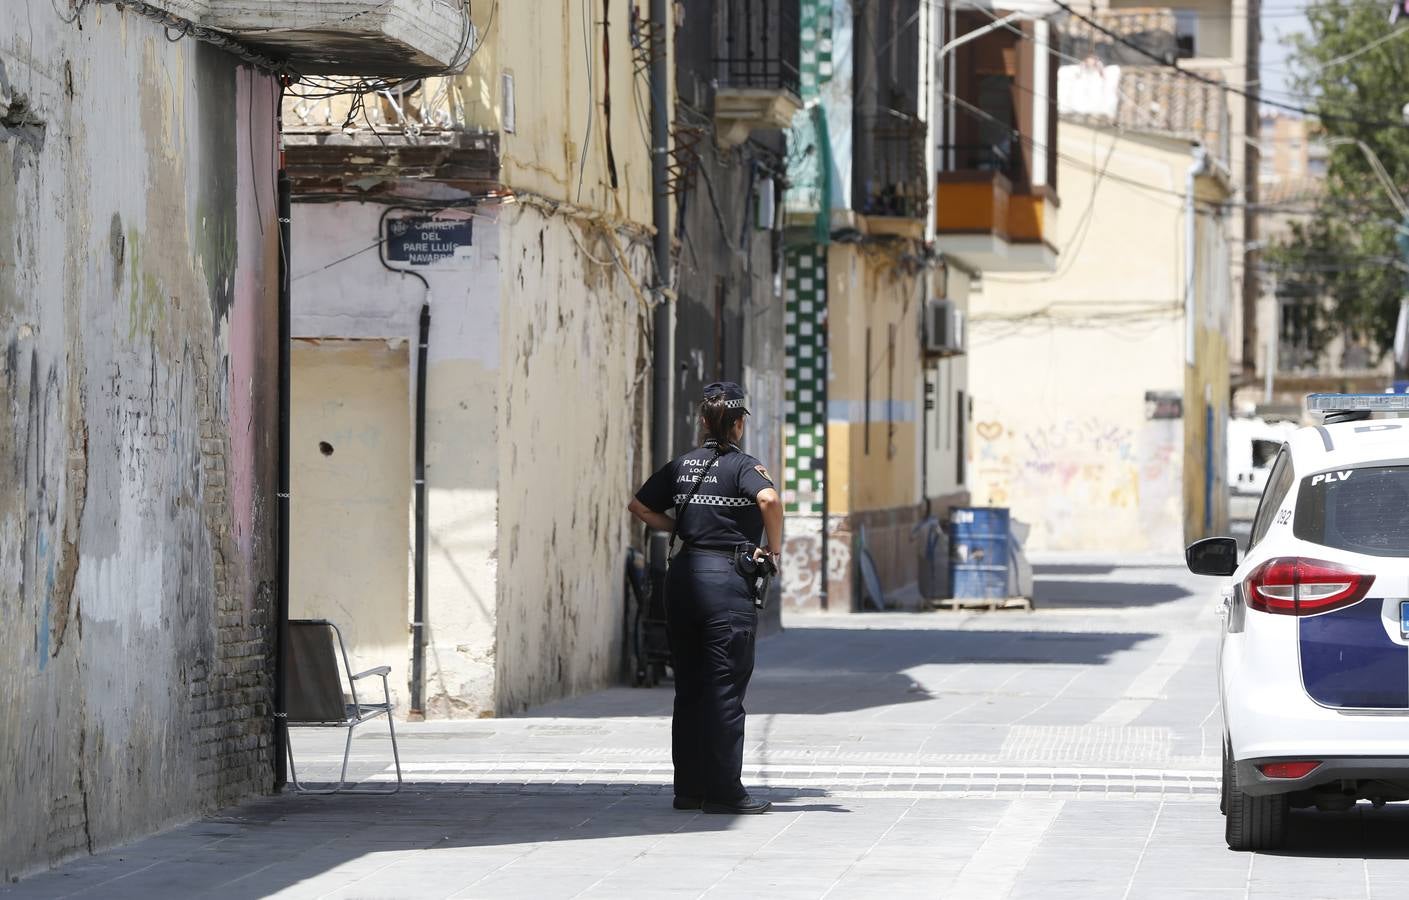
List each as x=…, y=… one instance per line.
x=806, y=415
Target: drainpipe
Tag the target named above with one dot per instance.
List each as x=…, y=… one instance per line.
x=416, y=711
x=281, y=611
x=418, y=617
x=663, y=317
x=1197, y=168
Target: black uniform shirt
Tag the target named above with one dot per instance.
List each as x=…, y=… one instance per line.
x=724, y=511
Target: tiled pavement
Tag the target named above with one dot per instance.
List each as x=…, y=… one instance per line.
x=1069, y=752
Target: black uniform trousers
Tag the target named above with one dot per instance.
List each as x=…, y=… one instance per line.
x=712, y=623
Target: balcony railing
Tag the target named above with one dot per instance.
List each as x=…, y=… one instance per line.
x=1163, y=101
x=416, y=131
x=891, y=178
x=976, y=158
x=411, y=109
x=760, y=45
x=1153, y=30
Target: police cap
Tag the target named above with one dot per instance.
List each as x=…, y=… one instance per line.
x=733, y=394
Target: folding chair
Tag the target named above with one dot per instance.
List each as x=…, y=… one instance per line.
x=313, y=691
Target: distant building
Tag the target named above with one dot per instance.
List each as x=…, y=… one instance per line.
x=902, y=193
x=1101, y=390
x=1293, y=153
x=1292, y=178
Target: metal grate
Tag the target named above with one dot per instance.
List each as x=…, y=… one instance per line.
x=759, y=44
x=890, y=175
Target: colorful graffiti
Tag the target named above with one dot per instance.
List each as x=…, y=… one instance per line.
x=1082, y=483
x=802, y=562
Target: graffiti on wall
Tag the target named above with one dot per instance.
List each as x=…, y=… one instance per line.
x=802, y=561
x=1083, y=482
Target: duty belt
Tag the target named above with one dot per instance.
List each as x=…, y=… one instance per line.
x=712, y=551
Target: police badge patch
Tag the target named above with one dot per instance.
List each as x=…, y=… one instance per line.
x=764, y=472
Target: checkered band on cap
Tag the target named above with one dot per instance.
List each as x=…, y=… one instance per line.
x=727, y=391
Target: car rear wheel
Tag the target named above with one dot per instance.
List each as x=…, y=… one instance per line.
x=1253, y=823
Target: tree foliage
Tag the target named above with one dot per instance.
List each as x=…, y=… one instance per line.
x=1345, y=255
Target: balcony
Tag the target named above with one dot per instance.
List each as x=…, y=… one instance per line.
x=1149, y=99
x=757, y=69
x=417, y=132
x=890, y=187
x=330, y=37
x=983, y=222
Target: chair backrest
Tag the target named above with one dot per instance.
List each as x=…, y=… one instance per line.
x=313, y=686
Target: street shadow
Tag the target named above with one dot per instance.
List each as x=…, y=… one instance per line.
x=1039, y=570
x=1360, y=833
x=1078, y=569
x=271, y=844
x=1055, y=594
x=817, y=670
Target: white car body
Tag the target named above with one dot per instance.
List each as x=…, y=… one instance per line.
x=1331, y=687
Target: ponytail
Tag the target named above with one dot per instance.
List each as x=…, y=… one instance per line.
x=719, y=420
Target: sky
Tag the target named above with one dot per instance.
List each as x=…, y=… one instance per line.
x=1280, y=18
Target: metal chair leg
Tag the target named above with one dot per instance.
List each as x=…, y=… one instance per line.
x=391, y=729
x=293, y=773
x=346, y=754
x=395, y=754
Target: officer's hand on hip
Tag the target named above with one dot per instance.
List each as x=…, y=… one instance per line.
x=762, y=553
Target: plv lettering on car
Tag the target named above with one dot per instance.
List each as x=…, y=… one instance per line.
x=1332, y=477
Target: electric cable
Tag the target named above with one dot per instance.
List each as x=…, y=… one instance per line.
x=591, y=94
x=1195, y=76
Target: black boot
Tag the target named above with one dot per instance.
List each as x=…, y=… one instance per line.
x=740, y=806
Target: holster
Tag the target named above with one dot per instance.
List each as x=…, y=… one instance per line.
x=757, y=572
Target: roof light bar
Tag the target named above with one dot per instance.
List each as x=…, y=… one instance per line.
x=1328, y=403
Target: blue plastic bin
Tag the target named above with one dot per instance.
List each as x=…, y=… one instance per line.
x=978, y=552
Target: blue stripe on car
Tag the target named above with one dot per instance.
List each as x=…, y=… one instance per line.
x=1347, y=659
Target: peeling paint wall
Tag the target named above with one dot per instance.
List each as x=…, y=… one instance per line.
x=342, y=293
x=137, y=358
x=350, y=454
x=537, y=387
x=581, y=101
x=574, y=390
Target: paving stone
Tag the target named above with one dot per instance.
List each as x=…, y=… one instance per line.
x=1068, y=752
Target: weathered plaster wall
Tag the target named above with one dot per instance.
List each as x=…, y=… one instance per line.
x=872, y=424
x=574, y=388
x=341, y=293
x=1060, y=364
x=351, y=511
x=873, y=431
x=580, y=125
x=1066, y=443
x=137, y=308
x=1206, y=393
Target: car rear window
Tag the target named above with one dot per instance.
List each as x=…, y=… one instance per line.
x=1363, y=510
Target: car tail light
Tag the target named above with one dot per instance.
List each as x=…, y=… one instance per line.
x=1298, y=769
x=1294, y=586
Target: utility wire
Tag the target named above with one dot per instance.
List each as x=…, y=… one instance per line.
x=1213, y=82
x=1343, y=58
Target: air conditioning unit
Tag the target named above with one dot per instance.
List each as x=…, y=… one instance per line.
x=944, y=328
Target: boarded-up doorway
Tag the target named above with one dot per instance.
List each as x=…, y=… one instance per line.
x=351, y=499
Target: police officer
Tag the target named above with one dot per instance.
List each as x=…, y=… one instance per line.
x=724, y=500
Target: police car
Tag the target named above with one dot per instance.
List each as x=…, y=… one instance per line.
x=1314, y=652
